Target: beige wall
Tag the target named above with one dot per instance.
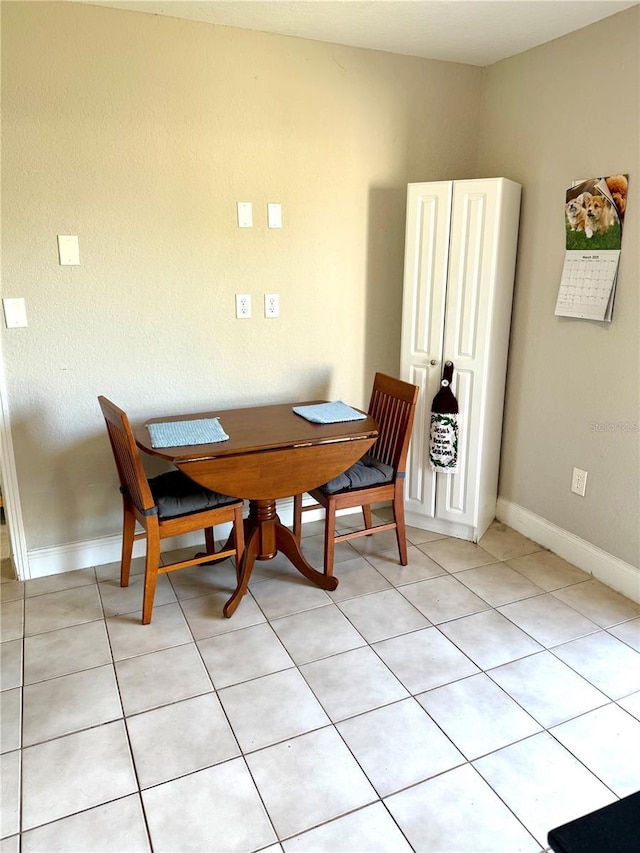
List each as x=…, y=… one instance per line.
x=569, y=110
x=139, y=133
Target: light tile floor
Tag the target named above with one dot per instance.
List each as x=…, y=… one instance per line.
x=469, y=701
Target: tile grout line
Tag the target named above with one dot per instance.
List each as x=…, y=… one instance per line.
x=366, y=644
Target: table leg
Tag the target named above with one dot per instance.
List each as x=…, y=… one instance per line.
x=265, y=535
x=244, y=571
x=287, y=543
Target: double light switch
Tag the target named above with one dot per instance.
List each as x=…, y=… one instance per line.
x=245, y=214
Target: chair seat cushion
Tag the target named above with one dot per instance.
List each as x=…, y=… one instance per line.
x=366, y=472
x=175, y=494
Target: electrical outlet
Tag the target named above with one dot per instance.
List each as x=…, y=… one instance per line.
x=271, y=305
x=579, y=482
x=243, y=306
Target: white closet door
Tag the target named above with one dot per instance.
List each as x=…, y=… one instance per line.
x=472, y=262
x=423, y=324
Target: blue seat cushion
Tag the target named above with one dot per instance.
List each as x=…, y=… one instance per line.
x=175, y=494
x=366, y=472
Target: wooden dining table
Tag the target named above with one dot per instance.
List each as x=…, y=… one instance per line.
x=271, y=453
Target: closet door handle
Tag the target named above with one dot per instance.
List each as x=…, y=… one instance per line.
x=433, y=362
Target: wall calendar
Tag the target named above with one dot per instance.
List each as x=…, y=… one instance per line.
x=594, y=217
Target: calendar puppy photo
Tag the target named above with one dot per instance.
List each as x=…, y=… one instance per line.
x=576, y=211
x=599, y=215
x=576, y=214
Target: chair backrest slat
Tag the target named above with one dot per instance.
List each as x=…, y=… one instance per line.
x=393, y=406
x=125, y=452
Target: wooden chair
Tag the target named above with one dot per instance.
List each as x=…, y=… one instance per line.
x=164, y=506
x=377, y=477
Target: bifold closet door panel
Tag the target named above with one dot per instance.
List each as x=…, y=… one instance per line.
x=467, y=324
x=423, y=324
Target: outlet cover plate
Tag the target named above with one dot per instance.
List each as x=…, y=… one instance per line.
x=579, y=482
x=243, y=306
x=271, y=305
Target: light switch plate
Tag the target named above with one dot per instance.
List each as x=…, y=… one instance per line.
x=274, y=215
x=15, y=313
x=68, y=250
x=245, y=214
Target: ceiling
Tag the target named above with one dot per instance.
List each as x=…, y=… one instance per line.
x=476, y=32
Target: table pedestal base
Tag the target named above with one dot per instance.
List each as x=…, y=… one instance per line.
x=265, y=535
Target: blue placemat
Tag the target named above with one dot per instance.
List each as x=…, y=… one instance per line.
x=329, y=413
x=181, y=433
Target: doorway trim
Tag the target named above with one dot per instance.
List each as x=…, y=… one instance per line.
x=9, y=480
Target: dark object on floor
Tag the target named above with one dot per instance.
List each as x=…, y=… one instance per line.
x=612, y=829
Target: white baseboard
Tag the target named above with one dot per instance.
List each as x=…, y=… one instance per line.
x=96, y=552
x=612, y=571
x=437, y=525
x=106, y=549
